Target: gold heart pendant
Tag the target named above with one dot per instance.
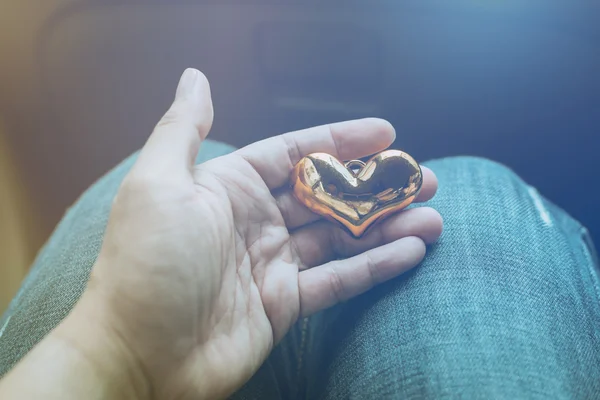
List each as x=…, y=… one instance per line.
x=357, y=194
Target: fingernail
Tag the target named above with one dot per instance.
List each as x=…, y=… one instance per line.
x=187, y=83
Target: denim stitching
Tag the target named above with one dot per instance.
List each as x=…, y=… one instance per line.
x=301, y=352
x=592, y=263
x=3, y=328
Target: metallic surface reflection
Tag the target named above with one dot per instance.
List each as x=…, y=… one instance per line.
x=357, y=194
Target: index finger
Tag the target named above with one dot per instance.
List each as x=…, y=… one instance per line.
x=274, y=158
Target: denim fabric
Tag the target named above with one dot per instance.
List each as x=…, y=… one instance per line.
x=505, y=305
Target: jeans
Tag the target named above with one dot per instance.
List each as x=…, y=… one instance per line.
x=506, y=304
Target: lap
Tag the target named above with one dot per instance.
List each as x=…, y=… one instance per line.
x=506, y=303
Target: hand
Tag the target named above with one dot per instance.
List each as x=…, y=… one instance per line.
x=204, y=268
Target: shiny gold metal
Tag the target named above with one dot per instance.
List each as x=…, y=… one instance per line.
x=357, y=194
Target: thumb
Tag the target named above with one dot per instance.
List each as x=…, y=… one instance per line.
x=175, y=142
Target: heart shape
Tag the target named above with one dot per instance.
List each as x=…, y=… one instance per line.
x=357, y=194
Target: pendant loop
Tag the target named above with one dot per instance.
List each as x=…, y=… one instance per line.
x=355, y=164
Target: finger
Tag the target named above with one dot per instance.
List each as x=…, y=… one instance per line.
x=274, y=158
x=297, y=215
x=324, y=241
x=174, y=144
x=430, y=185
x=338, y=281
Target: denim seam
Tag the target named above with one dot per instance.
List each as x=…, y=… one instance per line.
x=301, y=352
x=592, y=262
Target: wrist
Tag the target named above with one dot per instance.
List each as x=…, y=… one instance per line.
x=87, y=335
x=81, y=358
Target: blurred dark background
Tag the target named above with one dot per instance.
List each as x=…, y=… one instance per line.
x=82, y=83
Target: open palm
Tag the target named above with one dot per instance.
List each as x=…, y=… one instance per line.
x=207, y=267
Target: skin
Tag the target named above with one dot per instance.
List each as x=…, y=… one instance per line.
x=203, y=269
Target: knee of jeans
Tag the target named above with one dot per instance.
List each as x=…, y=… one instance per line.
x=472, y=166
x=477, y=175
x=475, y=187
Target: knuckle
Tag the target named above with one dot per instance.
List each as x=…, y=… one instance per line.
x=293, y=149
x=374, y=274
x=171, y=117
x=337, y=285
x=337, y=141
